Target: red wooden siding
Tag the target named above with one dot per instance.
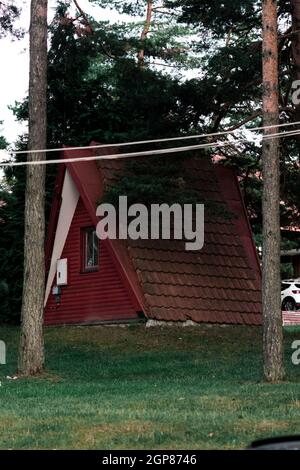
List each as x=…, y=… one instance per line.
x=89, y=297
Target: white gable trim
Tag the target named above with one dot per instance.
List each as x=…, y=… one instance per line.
x=70, y=197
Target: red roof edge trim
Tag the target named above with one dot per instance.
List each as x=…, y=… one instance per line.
x=86, y=178
x=243, y=224
x=120, y=257
x=53, y=217
x=255, y=257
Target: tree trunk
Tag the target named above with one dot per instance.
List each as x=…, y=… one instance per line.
x=146, y=29
x=31, y=354
x=272, y=318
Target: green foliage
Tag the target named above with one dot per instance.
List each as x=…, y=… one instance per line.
x=287, y=271
x=161, y=180
x=12, y=206
x=167, y=40
x=91, y=96
x=153, y=181
x=128, y=7
x=230, y=91
x=3, y=141
x=95, y=96
x=97, y=91
x=219, y=17
x=11, y=245
x=138, y=183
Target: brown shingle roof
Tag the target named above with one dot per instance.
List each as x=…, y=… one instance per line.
x=220, y=283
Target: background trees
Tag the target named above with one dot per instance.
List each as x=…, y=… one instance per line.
x=11, y=226
x=201, y=72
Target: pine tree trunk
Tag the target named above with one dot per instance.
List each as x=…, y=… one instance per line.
x=146, y=29
x=272, y=318
x=31, y=354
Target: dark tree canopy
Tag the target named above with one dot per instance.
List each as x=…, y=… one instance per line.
x=208, y=79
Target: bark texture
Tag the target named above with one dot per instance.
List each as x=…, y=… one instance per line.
x=146, y=29
x=272, y=318
x=31, y=355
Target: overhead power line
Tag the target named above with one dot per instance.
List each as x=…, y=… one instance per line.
x=153, y=141
x=120, y=156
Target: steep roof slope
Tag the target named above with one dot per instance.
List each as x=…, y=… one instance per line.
x=220, y=283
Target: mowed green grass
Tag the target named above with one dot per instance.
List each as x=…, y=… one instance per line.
x=155, y=388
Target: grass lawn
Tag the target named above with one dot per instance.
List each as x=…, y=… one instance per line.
x=156, y=388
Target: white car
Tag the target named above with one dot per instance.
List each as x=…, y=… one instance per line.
x=290, y=294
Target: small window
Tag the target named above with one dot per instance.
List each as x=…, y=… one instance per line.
x=90, y=250
x=285, y=286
